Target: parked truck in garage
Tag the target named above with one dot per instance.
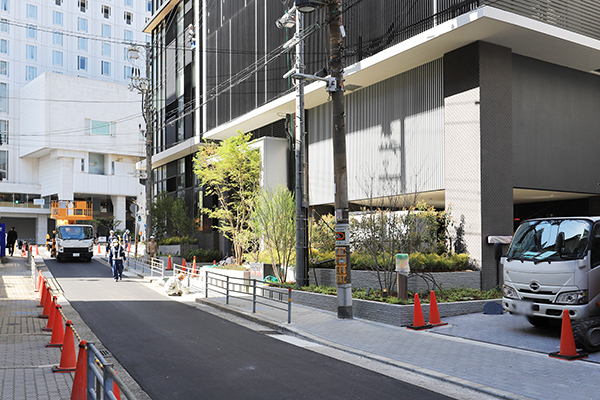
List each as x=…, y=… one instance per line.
x=553, y=264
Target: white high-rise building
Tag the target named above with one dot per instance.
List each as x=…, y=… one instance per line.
x=85, y=39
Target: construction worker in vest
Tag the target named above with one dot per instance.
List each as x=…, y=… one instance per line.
x=126, y=238
x=116, y=258
x=111, y=236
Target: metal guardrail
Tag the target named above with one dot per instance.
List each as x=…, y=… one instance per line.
x=101, y=377
x=229, y=286
x=155, y=266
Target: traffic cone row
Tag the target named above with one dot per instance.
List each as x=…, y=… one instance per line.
x=434, y=314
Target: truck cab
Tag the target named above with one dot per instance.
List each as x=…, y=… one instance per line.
x=74, y=241
x=553, y=264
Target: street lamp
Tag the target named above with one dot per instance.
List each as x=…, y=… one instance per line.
x=144, y=87
x=336, y=89
x=288, y=20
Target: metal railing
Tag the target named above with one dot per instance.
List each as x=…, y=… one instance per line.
x=101, y=377
x=242, y=288
x=145, y=264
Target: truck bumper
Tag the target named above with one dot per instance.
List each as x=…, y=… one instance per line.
x=533, y=309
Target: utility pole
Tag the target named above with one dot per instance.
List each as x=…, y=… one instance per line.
x=342, y=230
x=144, y=87
x=301, y=211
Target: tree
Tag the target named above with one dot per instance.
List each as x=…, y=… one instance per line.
x=161, y=209
x=273, y=222
x=180, y=220
x=231, y=171
x=105, y=225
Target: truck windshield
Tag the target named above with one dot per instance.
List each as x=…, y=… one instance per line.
x=536, y=240
x=76, y=232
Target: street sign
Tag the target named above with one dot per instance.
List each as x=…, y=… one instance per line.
x=133, y=208
x=342, y=235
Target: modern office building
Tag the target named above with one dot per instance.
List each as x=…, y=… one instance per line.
x=64, y=104
x=489, y=108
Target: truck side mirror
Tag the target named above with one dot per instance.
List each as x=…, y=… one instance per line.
x=497, y=251
x=560, y=242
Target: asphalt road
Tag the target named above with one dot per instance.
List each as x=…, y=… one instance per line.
x=175, y=351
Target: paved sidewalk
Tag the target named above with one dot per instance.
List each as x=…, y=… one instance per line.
x=26, y=369
x=497, y=370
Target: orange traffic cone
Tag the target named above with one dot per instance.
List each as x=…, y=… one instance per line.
x=50, y=324
x=58, y=333
x=129, y=247
x=183, y=268
x=99, y=249
x=37, y=251
x=434, y=315
x=47, y=304
x=116, y=390
x=38, y=281
x=44, y=292
x=68, y=361
x=79, y=391
x=169, y=265
x=567, y=351
x=418, y=320
x=194, y=267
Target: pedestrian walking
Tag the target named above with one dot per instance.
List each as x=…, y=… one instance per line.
x=111, y=236
x=126, y=238
x=11, y=239
x=152, y=248
x=116, y=258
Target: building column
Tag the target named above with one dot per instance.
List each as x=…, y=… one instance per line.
x=65, y=178
x=119, y=211
x=478, y=147
x=41, y=229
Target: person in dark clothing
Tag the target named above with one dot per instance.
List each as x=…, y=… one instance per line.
x=116, y=258
x=11, y=239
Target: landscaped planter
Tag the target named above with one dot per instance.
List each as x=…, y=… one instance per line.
x=176, y=249
x=368, y=279
x=392, y=314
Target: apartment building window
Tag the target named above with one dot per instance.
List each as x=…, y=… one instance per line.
x=4, y=26
x=3, y=97
x=57, y=38
x=128, y=17
x=82, y=44
x=112, y=167
x=3, y=46
x=96, y=164
x=83, y=5
x=83, y=165
x=106, y=30
x=106, y=11
x=149, y=5
x=57, y=18
x=4, y=68
x=104, y=128
x=82, y=24
x=4, y=131
x=5, y=5
x=58, y=2
x=128, y=71
x=31, y=32
x=31, y=52
x=3, y=164
x=105, y=68
x=31, y=11
x=30, y=72
x=106, y=49
x=129, y=3
x=82, y=63
x=57, y=58
x=128, y=36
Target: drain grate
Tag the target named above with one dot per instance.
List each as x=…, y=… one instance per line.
x=105, y=353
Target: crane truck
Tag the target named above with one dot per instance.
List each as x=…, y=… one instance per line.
x=73, y=240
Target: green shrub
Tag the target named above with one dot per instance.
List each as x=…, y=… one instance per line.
x=204, y=255
x=177, y=240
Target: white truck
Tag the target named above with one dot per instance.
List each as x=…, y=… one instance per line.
x=74, y=241
x=553, y=264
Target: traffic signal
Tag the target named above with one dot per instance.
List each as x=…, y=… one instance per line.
x=192, y=36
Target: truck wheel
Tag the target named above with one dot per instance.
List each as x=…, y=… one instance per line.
x=58, y=258
x=587, y=334
x=541, y=322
